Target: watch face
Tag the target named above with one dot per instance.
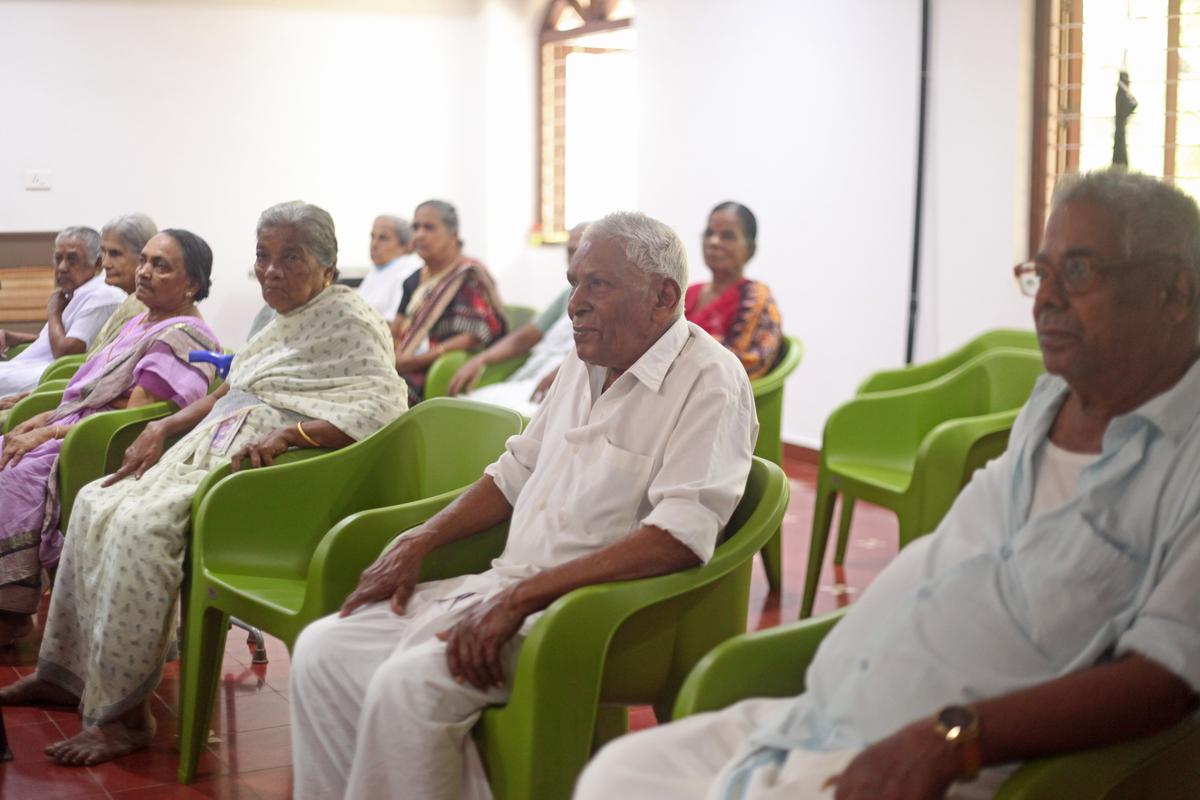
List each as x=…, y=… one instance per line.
x=954, y=721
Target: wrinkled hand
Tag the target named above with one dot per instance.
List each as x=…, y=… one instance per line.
x=539, y=393
x=475, y=643
x=4, y=343
x=467, y=376
x=263, y=452
x=394, y=574
x=10, y=401
x=140, y=456
x=16, y=445
x=58, y=301
x=911, y=764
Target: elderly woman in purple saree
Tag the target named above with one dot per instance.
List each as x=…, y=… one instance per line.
x=145, y=363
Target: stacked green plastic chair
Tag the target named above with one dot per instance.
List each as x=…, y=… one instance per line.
x=597, y=650
x=62, y=367
x=772, y=663
x=916, y=374
x=277, y=547
x=768, y=404
x=913, y=449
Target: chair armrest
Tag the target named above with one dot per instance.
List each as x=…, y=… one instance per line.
x=31, y=406
x=62, y=368
x=1093, y=774
x=441, y=371
x=93, y=447
x=949, y=456
x=770, y=663
x=774, y=379
x=355, y=542
x=55, y=385
x=501, y=370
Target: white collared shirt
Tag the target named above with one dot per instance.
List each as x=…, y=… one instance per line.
x=383, y=287
x=668, y=445
x=90, y=307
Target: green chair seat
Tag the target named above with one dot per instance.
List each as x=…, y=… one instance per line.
x=265, y=562
x=913, y=449
x=773, y=663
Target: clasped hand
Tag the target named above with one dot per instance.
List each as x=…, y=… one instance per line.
x=915, y=763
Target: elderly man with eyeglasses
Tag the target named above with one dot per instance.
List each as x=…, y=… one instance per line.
x=1056, y=607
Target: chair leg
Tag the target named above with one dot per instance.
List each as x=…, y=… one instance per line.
x=202, y=653
x=253, y=636
x=822, y=519
x=772, y=560
x=839, y=555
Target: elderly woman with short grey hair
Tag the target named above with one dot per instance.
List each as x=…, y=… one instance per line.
x=121, y=242
x=451, y=303
x=319, y=375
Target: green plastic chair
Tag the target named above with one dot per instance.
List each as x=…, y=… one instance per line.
x=437, y=380
x=768, y=404
x=597, y=650
x=519, y=315
x=772, y=663
x=266, y=562
x=912, y=450
x=62, y=367
x=916, y=374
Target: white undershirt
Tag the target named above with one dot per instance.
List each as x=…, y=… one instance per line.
x=1056, y=477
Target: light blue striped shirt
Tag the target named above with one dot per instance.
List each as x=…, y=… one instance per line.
x=995, y=601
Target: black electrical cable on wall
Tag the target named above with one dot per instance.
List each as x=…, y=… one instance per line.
x=915, y=283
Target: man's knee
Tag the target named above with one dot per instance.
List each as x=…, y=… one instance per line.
x=418, y=684
x=316, y=643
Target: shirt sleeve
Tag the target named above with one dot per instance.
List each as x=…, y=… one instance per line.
x=553, y=312
x=90, y=321
x=1167, y=629
x=706, y=462
x=512, y=470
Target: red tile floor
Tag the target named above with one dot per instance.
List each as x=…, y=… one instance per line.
x=250, y=756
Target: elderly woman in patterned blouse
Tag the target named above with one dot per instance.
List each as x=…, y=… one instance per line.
x=293, y=385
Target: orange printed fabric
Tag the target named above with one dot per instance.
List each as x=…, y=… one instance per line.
x=745, y=319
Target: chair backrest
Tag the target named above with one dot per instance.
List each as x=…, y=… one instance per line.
x=887, y=380
x=768, y=401
x=63, y=367
x=519, y=315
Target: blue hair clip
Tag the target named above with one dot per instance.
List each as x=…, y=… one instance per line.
x=221, y=361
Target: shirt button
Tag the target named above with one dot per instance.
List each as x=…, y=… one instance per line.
x=1006, y=552
x=864, y=664
x=924, y=593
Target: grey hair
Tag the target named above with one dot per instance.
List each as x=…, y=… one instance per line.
x=650, y=245
x=447, y=213
x=400, y=225
x=1153, y=218
x=314, y=223
x=133, y=231
x=87, y=237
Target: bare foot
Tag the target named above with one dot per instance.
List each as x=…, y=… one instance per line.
x=14, y=626
x=33, y=691
x=101, y=743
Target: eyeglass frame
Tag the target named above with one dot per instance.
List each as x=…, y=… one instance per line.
x=1096, y=269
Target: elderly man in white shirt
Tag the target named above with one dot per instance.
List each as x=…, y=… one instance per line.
x=1056, y=606
x=75, y=313
x=630, y=469
x=393, y=259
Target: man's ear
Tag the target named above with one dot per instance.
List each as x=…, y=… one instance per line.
x=668, y=294
x=1181, y=294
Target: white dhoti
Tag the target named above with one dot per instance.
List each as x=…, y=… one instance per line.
x=375, y=711
x=20, y=375
x=706, y=756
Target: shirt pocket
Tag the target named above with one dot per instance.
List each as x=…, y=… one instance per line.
x=612, y=485
x=1078, y=579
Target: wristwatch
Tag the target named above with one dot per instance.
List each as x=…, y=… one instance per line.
x=959, y=726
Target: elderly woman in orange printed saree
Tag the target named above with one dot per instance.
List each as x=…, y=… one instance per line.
x=739, y=312
x=451, y=303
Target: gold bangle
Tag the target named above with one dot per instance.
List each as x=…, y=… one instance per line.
x=305, y=436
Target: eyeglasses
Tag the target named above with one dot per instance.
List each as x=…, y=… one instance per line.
x=1077, y=274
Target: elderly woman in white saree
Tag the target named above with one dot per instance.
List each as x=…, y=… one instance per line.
x=319, y=375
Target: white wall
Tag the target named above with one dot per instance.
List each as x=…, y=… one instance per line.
x=806, y=112
x=977, y=171
x=202, y=115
